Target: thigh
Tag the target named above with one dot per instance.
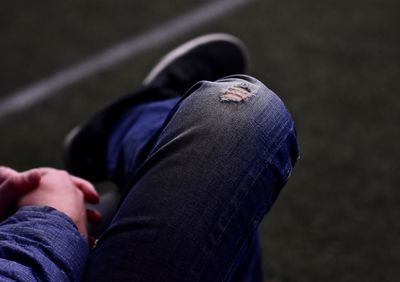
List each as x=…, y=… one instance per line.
x=210, y=175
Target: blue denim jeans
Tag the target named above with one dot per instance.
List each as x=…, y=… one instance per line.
x=198, y=174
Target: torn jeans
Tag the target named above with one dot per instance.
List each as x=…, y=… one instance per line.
x=198, y=175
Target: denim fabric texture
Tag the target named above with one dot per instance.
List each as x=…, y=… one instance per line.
x=197, y=189
x=198, y=175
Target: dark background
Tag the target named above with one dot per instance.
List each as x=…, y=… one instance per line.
x=334, y=63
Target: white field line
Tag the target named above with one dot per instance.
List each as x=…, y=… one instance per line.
x=132, y=47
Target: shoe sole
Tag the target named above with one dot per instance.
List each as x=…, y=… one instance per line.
x=189, y=46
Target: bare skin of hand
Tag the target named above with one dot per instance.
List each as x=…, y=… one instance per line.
x=53, y=188
x=13, y=185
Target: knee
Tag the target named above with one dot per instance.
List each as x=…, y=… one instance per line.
x=239, y=113
x=233, y=109
x=236, y=103
x=236, y=119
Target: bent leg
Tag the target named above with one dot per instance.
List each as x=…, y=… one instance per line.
x=249, y=264
x=207, y=178
x=130, y=135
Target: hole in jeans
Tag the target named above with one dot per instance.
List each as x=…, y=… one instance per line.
x=239, y=92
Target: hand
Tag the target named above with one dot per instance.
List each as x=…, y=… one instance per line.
x=13, y=185
x=65, y=193
x=50, y=187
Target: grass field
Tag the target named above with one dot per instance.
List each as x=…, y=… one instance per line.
x=334, y=63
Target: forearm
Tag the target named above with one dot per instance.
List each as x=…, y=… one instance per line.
x=41, y=244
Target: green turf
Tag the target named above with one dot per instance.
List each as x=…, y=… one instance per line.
x=334, y=63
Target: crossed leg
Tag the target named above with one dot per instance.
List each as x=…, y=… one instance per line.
x=197, y=191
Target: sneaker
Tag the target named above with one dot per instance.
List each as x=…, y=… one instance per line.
x=208, y=57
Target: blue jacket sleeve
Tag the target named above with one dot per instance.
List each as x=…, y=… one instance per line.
x=41, y=244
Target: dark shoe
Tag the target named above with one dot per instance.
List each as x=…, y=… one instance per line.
x=208, y=57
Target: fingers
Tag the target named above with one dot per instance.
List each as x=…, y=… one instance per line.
x=6, y=173
x=87, y=188
x=52, y=187
x=32, y=177
x=93, y=216
x=27, y=179
x=13, y=185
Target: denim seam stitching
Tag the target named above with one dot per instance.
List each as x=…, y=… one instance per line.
x=273, y=151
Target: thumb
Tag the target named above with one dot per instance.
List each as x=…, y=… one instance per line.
x=30, y=178
x=24, y=182
x=16, y=186
x=6, y=173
